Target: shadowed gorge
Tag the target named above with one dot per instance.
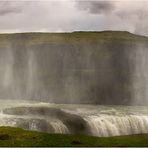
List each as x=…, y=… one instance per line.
x=71, y=123
x=81, y=67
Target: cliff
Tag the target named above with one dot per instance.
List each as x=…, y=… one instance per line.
x=80, y=67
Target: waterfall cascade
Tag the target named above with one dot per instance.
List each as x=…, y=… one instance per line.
x=74, y=68
x=101, y=121
x=109, y=125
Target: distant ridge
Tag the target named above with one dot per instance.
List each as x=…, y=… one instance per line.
x=90, y=35
x=104, y=32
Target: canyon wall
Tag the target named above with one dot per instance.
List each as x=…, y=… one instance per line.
x=81, y=67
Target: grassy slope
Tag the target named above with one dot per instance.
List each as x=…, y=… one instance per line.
x=74, y=37
x=18, y=137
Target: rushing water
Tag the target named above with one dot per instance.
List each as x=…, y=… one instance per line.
x=93, y=120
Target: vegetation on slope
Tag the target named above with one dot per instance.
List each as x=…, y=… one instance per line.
x=74, y=37
x=18, y=137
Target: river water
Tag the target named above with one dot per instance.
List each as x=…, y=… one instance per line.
x=96, y=120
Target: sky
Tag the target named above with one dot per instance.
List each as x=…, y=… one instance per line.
x=74, y=15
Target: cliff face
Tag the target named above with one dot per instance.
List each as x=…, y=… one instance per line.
x=81, y=67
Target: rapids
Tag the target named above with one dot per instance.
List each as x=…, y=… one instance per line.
x=96, y=120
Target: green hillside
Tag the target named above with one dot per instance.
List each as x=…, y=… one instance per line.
x=15, y=137
x=74, y=37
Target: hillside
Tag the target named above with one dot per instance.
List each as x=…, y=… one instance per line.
x=80, y=67
x=15, y=137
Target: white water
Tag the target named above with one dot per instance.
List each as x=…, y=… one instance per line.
x=109, y=125
x=59, y=127
x=102, y=121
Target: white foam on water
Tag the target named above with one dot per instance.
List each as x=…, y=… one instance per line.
x=109, y=125
x=103, y=121
x=59, y=127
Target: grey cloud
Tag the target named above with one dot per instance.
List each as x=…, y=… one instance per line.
x=9, y=7
x=136, y=15
x=74, y=15
x=128, y=15
x=96, y=7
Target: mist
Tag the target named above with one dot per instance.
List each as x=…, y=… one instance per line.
x=58, y=68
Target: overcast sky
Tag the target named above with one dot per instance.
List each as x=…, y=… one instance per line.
x=74, y=15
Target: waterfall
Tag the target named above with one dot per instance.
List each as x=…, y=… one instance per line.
x=59, y=127
x=101, y=126
x=34, y=124
x=109, y=125
x=101, y=121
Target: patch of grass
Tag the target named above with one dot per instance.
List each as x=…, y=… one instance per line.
x=10, y=136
